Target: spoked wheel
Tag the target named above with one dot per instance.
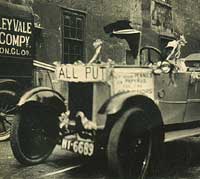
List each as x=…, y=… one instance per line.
x=32, y=139
x=8, y=102
x=5, y=125
x=129, y=146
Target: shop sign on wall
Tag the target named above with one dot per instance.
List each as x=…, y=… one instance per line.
x=16, y=37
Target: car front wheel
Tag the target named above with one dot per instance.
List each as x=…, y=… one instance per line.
x=32, y=139
x=130, y=146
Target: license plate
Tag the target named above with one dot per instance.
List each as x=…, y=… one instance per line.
x=81, y=147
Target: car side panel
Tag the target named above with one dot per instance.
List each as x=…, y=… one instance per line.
x=171, y=92
x=193, y=104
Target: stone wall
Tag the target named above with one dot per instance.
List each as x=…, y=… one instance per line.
x=48, y=36
x=187, y=21
x=98, y=14
x=181, y=16
x=145, y=16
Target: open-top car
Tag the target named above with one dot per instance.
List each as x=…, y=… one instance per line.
x=125, y=112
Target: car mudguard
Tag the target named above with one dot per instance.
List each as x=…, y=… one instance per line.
x=37, y=118
x=125, y=100
x=45, y=96
x=10, y=85
x=115, y=107
x=10, y=91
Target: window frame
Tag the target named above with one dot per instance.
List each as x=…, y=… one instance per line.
x=79, y=14
x=168, y=4
x=157, y=28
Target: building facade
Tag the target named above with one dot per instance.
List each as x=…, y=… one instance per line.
x=69, y=27
x=66, y=29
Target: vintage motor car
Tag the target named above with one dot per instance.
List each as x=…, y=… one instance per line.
x=124, y=112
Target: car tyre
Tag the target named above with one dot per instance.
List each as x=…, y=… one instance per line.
x=130, y=146
x=31, y=140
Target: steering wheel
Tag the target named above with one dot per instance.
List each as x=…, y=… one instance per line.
x=149, y=58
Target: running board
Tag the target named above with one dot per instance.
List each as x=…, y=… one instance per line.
x=179, y=134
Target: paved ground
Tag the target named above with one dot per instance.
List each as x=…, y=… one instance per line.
x=181, y=161
x=61, y=164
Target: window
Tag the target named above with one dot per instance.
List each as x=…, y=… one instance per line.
x=161, y=16
x=73, y=36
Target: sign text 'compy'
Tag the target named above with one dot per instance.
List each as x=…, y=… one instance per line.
x=15, y=37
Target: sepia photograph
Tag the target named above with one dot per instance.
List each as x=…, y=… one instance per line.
x=100, y=89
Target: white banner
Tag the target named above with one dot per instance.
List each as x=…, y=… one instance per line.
x=138, y=81
x=81, y=73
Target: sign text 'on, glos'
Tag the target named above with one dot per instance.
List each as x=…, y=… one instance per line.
x=15, y=37
x=81, y=73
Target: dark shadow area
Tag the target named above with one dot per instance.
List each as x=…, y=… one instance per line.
x=181, y=159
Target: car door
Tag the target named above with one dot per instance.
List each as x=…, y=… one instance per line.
x=193, y=101
x=171, y=91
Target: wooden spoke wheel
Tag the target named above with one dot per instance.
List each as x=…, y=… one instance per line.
x=8, y=102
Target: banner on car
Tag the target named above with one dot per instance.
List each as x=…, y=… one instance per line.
x=81, y=73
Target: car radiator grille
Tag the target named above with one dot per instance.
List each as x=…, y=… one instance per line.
x=80, y=99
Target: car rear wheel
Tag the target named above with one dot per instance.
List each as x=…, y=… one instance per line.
x=32, y=139
x=129, y=146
